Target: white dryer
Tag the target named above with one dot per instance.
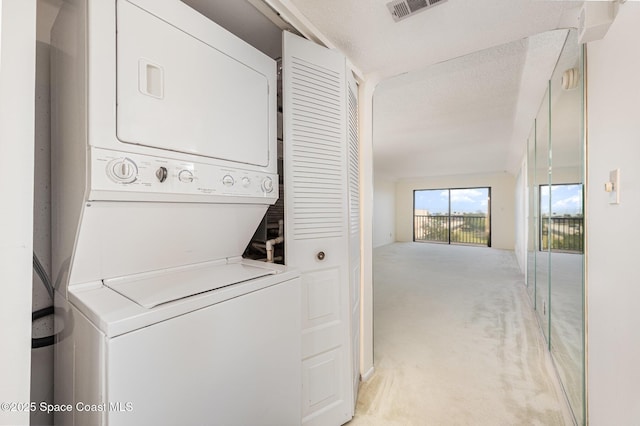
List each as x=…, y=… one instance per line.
x=164, y=163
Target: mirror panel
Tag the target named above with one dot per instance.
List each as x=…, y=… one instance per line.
x=566, y=223
x=532, y=203
x=555, y=251
x=541, y=215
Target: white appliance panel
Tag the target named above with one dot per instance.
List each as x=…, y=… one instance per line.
x=122, y=176
x=114, y=314
x=84, y=111
x=232, y=360
x=124, y=238
x=155, y=288
x=234, y=363
x=179, y=93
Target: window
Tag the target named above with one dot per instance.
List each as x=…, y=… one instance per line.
x=452, y=216
x=561, y=218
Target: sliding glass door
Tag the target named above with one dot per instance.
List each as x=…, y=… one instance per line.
x=452, y=216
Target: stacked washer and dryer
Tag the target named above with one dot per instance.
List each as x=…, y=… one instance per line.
x=164, y=163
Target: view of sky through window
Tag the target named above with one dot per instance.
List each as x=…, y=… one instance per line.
x=565, y=200
x=436, y=201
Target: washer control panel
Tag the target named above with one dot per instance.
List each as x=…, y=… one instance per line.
x=118, y=171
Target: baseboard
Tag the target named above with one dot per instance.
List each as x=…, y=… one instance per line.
x=366, y=376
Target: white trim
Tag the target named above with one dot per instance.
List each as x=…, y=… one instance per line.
x=365, y=108
x=366, y=376
x=293, y=18
x=290, y=14
x=17, y=94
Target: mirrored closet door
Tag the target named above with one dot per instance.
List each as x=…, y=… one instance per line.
x=555, y=174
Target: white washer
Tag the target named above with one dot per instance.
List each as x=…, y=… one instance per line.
x=164, y=163
x=222, y=357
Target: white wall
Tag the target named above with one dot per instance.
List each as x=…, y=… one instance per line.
x=384, y=212
x=613, y=231
x=502, y=203
x=17, y=74
x=42, y=358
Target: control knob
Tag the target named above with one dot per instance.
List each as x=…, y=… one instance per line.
x=122, y=170
x=185, y=176
x=161, y=174
x=267, y=185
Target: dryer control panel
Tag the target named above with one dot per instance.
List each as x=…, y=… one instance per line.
x=114, y=172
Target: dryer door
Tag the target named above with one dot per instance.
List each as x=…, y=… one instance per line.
x=181, y=87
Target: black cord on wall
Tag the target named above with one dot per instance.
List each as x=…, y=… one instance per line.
x=41, y=342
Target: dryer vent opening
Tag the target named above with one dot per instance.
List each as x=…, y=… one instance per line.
x=401, y=9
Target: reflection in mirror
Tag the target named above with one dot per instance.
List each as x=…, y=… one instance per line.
x=542, y=180
x=531, y=215
x=566, y=223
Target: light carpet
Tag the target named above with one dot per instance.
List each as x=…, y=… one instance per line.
x=455, y=342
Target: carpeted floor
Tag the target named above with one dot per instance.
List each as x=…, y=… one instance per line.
x=455, y=342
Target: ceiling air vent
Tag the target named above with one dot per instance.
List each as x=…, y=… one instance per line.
x=401, y=9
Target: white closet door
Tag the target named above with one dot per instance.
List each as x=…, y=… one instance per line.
x=353, y=155
x=316, y=223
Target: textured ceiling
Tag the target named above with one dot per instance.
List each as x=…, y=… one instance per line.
x=459, y=116
x=367, y=34
x=460, y=83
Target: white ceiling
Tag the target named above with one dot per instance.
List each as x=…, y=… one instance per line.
x=367, y=34
x=459, y=116
x=441, y=115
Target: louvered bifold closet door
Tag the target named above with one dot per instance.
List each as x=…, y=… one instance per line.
x=316, y=223
x=353, y=168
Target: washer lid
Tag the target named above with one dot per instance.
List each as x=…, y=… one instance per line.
x=155, y=288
